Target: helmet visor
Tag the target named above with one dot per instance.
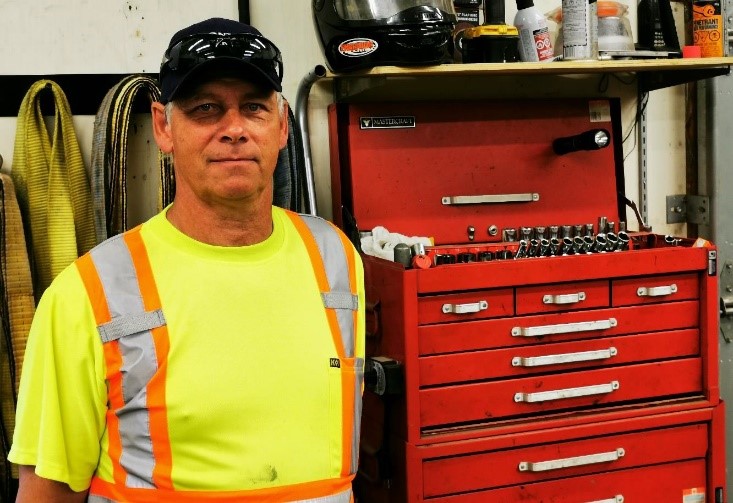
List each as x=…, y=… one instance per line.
x=367, y=10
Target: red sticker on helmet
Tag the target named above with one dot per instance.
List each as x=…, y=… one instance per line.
x=356, y=47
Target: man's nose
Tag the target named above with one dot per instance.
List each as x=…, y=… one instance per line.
x=234, y=127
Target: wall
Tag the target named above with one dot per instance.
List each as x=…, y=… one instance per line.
x=118, y=37
x=60, y=37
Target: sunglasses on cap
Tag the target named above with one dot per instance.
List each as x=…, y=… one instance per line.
x=247, y=47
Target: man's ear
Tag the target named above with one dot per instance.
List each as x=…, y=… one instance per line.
x=284, y=125
x=161, y=128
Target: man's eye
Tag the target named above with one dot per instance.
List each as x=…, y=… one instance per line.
x=206, y=107
x=254, y=107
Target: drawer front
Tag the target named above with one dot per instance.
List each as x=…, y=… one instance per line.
x=475, y=335
x=558, y=357
x=477, y=402
x=576, y=458
x=562, y=297
x=667, y=482
x=651, y=289
x=474, y=305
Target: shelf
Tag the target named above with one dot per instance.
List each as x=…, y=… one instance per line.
x=553, y=68
x=652, y=73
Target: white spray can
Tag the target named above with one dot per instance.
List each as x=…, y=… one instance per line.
x=579, y=29
x=534, y=36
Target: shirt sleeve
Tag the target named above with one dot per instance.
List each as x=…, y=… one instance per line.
x=61, y=409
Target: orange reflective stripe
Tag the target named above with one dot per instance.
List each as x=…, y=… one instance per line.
x=348, y=383
x=348, y=379
x=296, y=492
x=112, y=358
x=94, y=288
x=321, y=278
x=156, y=405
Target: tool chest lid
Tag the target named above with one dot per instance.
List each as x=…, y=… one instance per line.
x=463, y=171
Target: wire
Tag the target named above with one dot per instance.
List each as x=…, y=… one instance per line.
x=641, y=103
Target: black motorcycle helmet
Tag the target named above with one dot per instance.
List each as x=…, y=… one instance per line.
x=358, y=34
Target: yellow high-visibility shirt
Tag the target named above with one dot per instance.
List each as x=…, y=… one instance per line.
x=252, y=400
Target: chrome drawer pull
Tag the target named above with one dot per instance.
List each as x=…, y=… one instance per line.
x=619, y=498
x=555, y=464
x=581, y=356
x=564, y=328
x=569, y=298
x=559, y=394
x=490, y=199
x=656, y=291
x=475, y=307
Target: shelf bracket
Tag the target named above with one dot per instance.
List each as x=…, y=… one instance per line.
x=651, y=81
x=687, y=208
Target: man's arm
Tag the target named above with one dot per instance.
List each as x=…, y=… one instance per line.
x=34, y=489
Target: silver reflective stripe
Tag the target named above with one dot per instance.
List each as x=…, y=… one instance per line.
x=93, y=498
x=119, y=279
x=337, y=272
x=343, y=497
x=131, y=324
x=359, y=366
x=339, y=300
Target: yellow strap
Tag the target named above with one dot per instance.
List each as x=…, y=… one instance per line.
x=52, y=186
x=17, y=308
x=109, y=156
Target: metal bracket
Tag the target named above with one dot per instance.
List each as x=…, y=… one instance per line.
x=691, y=209
x=726, y=300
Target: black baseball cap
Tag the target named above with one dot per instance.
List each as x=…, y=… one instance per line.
x=219, y=45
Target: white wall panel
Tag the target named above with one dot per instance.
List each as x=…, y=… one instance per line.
x=94, y=36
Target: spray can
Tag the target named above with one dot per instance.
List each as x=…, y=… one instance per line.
x=707, y=28
x=579, y=29
x=534, y=36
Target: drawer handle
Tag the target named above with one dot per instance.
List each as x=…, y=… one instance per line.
x=490, y=199
x=564, y=328
x=555, y=464
x=581, y=356
x=568, y=298
x=474, y=307
x=619, y=498
x=656, y=291
x=559, y=394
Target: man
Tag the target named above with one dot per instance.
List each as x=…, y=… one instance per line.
x=216, y=351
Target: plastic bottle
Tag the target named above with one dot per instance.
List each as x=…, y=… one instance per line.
x=534, y=36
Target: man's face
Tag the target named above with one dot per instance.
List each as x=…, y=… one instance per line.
x=225, y=137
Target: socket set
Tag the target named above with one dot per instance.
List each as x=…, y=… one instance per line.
x=537, y=242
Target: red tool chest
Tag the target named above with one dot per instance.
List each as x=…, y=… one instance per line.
x=538, y=369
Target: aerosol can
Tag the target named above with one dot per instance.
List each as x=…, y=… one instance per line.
x=534, y=36
x=579, y=29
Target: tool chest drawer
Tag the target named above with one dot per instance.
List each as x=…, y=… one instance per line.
x=562, y=297
x=506, y=398
x=556, y=327
x=464, y=306
x=650, y=289
x=558, y=357
x=681, y=481
x=572, y=458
